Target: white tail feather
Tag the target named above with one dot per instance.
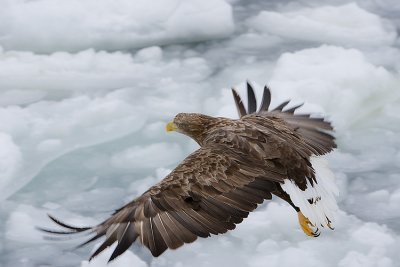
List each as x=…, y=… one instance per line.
x=322, y=194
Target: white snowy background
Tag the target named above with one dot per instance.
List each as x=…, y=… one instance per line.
x=86, y=88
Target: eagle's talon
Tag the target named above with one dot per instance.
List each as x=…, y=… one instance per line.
x=317, y=233
x=307, y=226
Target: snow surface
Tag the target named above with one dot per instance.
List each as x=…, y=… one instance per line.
x=86, y=88
x=48, y=26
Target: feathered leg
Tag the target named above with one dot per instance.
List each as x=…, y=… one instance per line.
x=305, y=224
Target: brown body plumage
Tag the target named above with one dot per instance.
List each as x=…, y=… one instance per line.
x=240, y=164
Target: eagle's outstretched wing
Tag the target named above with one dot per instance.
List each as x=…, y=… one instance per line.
x=208, y=193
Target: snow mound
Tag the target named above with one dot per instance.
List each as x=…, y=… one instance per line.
x=47, y=26
x=329, y=74
x=137, y=157
x=347, y=25
x=62, y=102
x=46, y=130
x=62, y=75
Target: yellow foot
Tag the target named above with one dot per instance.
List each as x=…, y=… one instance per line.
x=308, y=228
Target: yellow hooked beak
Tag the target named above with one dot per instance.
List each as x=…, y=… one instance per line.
x=171, y=126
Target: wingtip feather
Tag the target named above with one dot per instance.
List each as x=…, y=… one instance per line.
x=266, y=99
x=64, y=225
x=239, y=103
x=251, y=99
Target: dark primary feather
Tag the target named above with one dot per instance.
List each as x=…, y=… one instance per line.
x=239, y=165
x=293, y=109
x=281, y=106
x=251, y=99
x=266, y=100
x=239, y=104
x=76, y=229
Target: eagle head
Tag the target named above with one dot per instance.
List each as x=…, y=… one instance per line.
x=194, y=125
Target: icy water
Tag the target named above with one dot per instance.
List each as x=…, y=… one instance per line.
x=86, y=88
